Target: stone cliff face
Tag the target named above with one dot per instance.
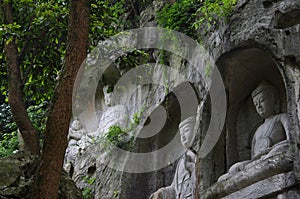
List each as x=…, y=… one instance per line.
x=260, y=41
x=257, y=43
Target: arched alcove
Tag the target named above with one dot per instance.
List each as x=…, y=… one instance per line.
x=242, y=70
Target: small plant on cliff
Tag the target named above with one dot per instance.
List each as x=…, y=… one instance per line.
x=121, y=137
x=115, y=135
x=87, y=192
x=212, y=11
x=136, y=118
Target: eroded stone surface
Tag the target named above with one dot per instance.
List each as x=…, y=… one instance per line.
x=17, y=173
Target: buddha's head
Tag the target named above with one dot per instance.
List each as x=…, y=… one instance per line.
x=186, y=129
x=265, y=99
x=107, y=96
x=75, y=124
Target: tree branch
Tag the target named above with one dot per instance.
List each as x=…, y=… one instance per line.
x=15, y=96
x=57, y=127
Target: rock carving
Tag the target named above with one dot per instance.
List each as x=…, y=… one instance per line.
x=183, y=183
x=76, y=132
x=271, y=137
x=114, y=115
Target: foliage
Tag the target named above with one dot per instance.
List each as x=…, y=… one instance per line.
x=115, y=135
x=121, y=137
x=116, y=193
x=40, y=29
x=108, y=18
x=38, y=116
x=132, y=59
x=179, y=16
x=8, y=144
x=213, y=11
x=87, y=192
x=105, y=20
x=8, y=132
x=187, y=15
x=136, y=118
x=7, y=124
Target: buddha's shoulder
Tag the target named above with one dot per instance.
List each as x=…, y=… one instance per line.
x=281, y=116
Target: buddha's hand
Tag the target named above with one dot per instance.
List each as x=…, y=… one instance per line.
x=157, y=195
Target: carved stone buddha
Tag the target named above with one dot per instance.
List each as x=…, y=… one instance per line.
x=114, y=115
x=76, y=132
x=184, y=180
x=271, y=137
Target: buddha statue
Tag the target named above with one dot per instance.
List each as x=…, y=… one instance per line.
x=271, y=137
x=76, y=132
x=184, y=180
x=113, y=115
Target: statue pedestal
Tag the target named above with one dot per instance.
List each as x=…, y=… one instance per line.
x=272, y=187
x=262, y=179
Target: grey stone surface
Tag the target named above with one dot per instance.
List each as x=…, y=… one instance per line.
x=269, y=186
x=17, y=175
x=76, y=132
x=262, y=170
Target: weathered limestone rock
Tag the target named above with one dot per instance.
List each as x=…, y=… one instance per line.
x=17, y=173
x=268, y=186
x=260, y=41
x=86, y=148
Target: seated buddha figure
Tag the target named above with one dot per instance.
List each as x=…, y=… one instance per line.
x=113, y=115
x=271, y=137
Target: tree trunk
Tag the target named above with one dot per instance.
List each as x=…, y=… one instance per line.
x=15, y=96
x=49, y=173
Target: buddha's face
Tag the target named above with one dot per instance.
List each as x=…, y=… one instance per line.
x=186, y=133
x=264, y=103
x=76, y=125
x=107, y=99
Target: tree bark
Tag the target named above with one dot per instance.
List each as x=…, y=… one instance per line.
x=57, y=126
x=15, y=96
